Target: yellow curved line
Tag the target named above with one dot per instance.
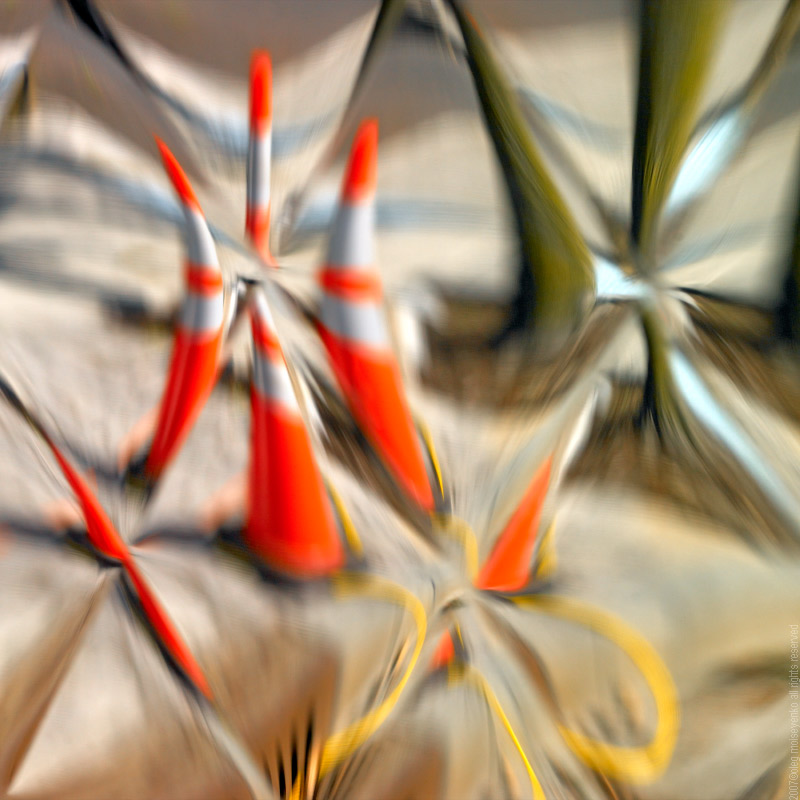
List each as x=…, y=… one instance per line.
x=350, y=533
x=342, y=744
x=468, y=673
x=428, y=439
x=642, y=764
x=547, y=558
x=457, y=528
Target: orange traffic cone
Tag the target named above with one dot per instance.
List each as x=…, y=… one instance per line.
x=508, y=566
x=353, y=326
x=290, y=523
x=193, y=368
x=259, y=155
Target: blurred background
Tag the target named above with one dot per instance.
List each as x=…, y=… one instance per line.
x=587, y=233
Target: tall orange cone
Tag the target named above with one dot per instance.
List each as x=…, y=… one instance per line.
x=290, y=523
x=259, y=155
x=193, y=368
x=353, y=326
x=508, y=566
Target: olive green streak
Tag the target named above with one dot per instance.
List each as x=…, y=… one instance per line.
x=676, y=47
x=556, y=282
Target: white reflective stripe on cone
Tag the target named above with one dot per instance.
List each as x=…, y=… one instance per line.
x=271, y=380
x=361, y=323
x=259, y=156
x=201, y=313
x=263, y=311
x=352, y=240
x=199, y=242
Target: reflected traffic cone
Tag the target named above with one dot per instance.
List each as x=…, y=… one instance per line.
x=290, y=523
x=193, y=367
x=166, y=633
x=353, y=326
x=100, y=530
x=104, y=537
x=449, y=648
x=508, y=567
x=445, y=651
x=259, y=155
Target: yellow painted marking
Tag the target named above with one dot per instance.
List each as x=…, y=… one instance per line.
x=428, y=439
x=350, y=533
x=642, y=764
x=342, y=744
x=468, y=674
x=548, y=558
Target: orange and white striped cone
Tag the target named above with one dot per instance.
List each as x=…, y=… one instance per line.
x=193, y=367
x=290, y=522
x=508, y=567
x=353, y=328
x=259, y=155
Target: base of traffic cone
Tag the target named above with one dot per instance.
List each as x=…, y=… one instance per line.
x=290, y=524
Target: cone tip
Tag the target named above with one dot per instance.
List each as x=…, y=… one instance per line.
x=260, y=90
x=362, y=167
x=176, y=175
